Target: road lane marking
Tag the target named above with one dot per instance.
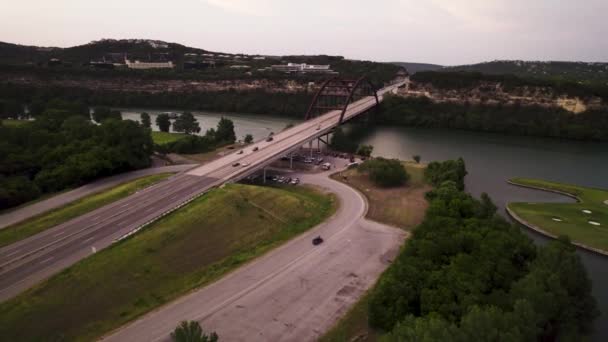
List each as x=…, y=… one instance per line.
x=46, y=260
x=14, y=252
x=87, y=240
x=58, y=234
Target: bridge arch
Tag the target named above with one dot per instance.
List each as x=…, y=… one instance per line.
x=337, y=94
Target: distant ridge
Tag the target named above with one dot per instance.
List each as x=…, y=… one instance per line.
x=583, y=71
x=413, y=68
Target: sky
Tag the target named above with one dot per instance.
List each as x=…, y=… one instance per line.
x=447, y=32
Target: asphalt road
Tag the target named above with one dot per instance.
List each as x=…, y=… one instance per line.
x=27, y=262
x=20, y=214
x=294, y=293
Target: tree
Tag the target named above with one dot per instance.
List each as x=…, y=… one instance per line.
x=101, y=114
x=365, y=150
x=191, y=331
x=225, y=131
x=341, y=142
x=163, y=122
x=186, y=123
x=385, y=172
x=248, y=139
x=145, y=120
x=416, y=158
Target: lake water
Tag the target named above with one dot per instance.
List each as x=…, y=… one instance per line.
x=491, y=160
x=257, y=125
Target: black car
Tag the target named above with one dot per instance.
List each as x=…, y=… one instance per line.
x=269, y=139
x=317, y=241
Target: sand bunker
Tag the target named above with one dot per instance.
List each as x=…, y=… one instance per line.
x=587, y=211
x=594, y=223
x=606, y=202
x=557, y=219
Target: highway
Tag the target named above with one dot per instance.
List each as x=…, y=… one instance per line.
x=293, y=293
x=27, y=262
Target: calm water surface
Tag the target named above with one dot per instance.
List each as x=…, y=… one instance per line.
x=491, y=160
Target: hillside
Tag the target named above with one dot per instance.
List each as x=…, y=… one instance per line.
x=574, y=71
x=413, y=68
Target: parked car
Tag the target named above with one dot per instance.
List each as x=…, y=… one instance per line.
x=295, y=181
x=326, y=166
x=352, y=159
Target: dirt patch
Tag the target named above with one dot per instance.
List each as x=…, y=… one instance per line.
x=402, y=207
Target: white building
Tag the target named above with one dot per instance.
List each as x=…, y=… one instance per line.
x=303, y=68
x=149, y=65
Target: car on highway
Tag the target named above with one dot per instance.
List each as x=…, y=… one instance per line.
x=269, y=139
x=245, y=164
x=236, y=164
x=255, y=149
x=318, y=127
x=240, y=152
x=317, y=241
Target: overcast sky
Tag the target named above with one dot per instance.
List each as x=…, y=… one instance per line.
x=434, y=31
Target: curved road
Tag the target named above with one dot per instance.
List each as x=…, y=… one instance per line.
x=295, y=292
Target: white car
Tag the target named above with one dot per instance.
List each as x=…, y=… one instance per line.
x=245, y=164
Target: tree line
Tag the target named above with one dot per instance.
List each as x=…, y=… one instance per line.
x=63, y=148
x=507, y=119
x=466, y=274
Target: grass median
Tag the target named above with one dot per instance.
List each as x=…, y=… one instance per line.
x=72, y=210
x=204, y=240
x=585, y=222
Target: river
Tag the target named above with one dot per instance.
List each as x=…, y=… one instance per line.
x=491, y=160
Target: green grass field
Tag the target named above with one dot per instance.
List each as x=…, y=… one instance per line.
x=14, y=123
x=189, y=248
x=574, y=222
x=161, y=138
x=82, y=206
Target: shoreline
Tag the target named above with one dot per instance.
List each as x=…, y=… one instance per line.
x=543, y=232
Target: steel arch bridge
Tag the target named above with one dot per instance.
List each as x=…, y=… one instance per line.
x=337, y=94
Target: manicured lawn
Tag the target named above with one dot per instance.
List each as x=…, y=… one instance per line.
x=574, y=222
x=189, y=248
x=402, y=207
x=82, y=206
x=161, y=138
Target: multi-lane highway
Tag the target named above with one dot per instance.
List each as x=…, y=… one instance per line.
x=27, y=262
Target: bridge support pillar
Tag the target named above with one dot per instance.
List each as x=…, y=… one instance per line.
x=291, y=160
x=264, y=176
x=310, y=148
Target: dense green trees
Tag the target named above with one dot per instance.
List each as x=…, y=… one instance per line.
x=340, y=141
x=365, y=150
x=248, y=139
x=385, y=172
x=416, y=158
x=225, y=131
x=508, y=119
x=101, y=114
x=163, y=122
x=191, y=331
x=59, y=150
x=186, y=123
x=199, y=144
x=468, y=275
x=453, y=170
x=145, y=120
